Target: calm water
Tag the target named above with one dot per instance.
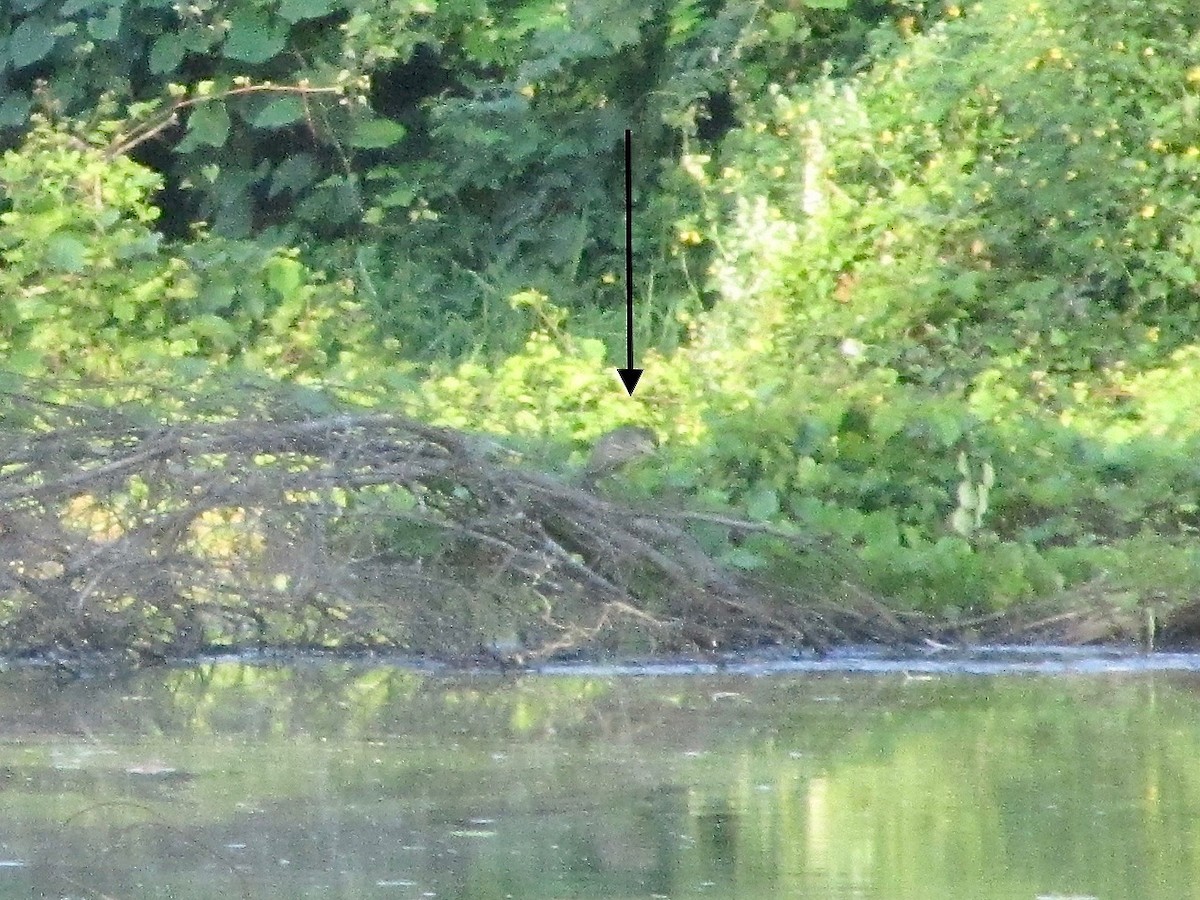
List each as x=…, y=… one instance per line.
x=229, y=780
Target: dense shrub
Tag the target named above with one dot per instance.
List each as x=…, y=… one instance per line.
x=90, y=288
x=939, y=302
x=961, y=259
x=473, y=150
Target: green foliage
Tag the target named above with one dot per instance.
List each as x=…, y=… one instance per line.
x=65, y=55
x=950, y=297
x=520, y=187
x=82, y=266
x=974, y=179
x=558, y=390
x=967, y=516
x=91, y=289
x=958, y=260
x=490, y=162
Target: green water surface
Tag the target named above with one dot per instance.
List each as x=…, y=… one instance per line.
x=348, y=781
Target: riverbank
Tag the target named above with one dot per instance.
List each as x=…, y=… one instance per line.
x=148, y=541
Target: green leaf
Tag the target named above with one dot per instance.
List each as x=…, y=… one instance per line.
x=619, y=33
x=253, y=39
x=106, y=27
x=741, y=558
x=73, y=7
x=961, y=522
x=967, y=498
x=166, y=54
x=296, y=10
x=373, y=134
x=403, y=195
x=762, y=504
x=965, y=287
x=284, y=276
x=29, y=42
x=215, y=329
x=948, y=427
x=293, y=174
x=279, y=112
x=783, y=25
x=26, y=360
x=66, y=254
x=217, y=296
x=208, y=125
x=124, y=310
x=14, y=110
x=683, y=19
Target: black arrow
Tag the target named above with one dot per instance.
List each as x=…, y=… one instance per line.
x=629, y=375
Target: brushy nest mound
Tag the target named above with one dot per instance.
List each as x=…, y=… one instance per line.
x=270, y=527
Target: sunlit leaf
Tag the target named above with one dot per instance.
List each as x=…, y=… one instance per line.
x=284, y=276
x=124, y=310
x=215, y=329
x=373, y=134
x=66, y=254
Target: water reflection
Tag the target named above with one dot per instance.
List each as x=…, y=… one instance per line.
x=348, y=781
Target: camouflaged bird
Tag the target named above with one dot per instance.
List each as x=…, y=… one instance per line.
x=617, y=449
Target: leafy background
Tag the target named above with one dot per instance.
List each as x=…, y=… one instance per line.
x=920, y=276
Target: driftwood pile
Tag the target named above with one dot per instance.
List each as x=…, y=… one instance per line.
x=124, y=533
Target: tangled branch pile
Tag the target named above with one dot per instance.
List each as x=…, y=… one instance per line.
x=121, y=533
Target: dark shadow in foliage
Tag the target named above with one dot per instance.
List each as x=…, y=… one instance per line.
x=400, y=90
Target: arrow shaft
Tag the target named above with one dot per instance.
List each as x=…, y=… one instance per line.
x=628, y=248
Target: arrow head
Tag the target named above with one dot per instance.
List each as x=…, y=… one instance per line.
x=630, y=378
